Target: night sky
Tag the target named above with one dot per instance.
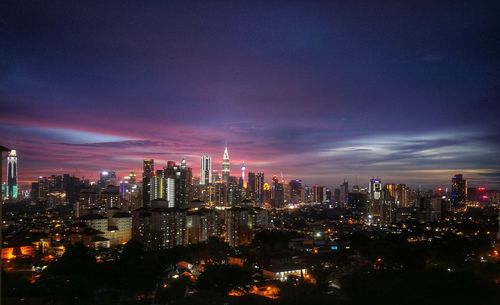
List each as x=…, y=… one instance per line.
x=405, y=90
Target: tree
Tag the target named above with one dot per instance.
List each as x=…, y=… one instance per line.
x=223, y=278
x=139, y=270
x=71, y=279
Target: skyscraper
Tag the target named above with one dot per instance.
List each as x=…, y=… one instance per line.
x=458, y=190
x=225, y=166
x=295, y=191
x=107, y=178
x=206, y=170
x=375, y=188
x=377, y=206
x=243, y=167
x=157, y=185
x=344, y=191
x=277, y=193
x=182, y=184
x=259, y=188
x=317, y=194
x=402, y=195
x=12, y=175
x=147, y=173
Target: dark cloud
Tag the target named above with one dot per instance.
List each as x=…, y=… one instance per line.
x=318, y=89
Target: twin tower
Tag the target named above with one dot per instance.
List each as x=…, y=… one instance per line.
x=206, y=169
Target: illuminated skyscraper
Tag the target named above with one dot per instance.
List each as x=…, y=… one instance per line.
x=183, y=163
x=147, y=173
x=390, y=191
x=234, y=189
x=243, y=167
x=206, y=170
x=157, y=185
x=458, y=190
x=375, y=189
x=12, y=175
x=182, y=184
x=132, y=176
x=379, y=210
x=225, y=166
x=402, y=195
x=259, y=188
x=107, y=178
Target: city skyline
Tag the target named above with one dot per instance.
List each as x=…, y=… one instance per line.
x=310, y=100
x=218, y=170
x=250, y=152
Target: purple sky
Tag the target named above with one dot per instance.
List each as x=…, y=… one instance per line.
x=320, y=91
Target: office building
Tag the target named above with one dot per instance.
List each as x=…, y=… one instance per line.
x=225, y=166
x=206, y=170
x=12, y=188
x=147, y=174
x=458, y=194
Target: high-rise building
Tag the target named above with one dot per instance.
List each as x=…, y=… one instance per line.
x=458, y=191
x=202, y=224
x=147, y=174
x=344, y=193
x=296, y=193
x=375, y=189
x=336, y=198
x=251, y=186
x=159, y=227
x=243, y=168
x=308, y=198
x=402, y=196
x=168, y=228
x=206, y=170
x=12, y=190
x=327, y=195
x=357, y=201
x=132, y=177
x=225, y=166
x=129, y=189
x=317, y=194
x=377, y=209
x=157, y=186
x=266, y=193
x=237, y=226
x=107, y=178
x=259, y=188
x=170, y=191
x=242, y=223
x=234, y=191
x=277, y=193
x=183, y=184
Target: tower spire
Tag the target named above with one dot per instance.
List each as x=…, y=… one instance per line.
x=225, y=166
x=243, y=168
